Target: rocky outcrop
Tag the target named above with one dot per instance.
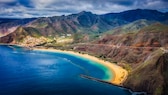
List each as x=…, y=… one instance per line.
x=17, y=35
x=7, y=39
x=151, y=76
x=8, y=25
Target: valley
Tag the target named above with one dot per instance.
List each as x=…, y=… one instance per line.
x=137, y=43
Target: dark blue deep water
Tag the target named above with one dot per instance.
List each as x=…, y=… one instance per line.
x=27, y=72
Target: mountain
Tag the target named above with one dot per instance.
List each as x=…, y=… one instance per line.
x=134, y=39
x=89, y=26
x=24, y=36
x=83, y=22
x=144, y=54
x=14, y=22
x=128, y=49
x=151, y=76
x=7, y=20
x=132, y=15
x=132, y=27
x=151, y=36
x=8, y=25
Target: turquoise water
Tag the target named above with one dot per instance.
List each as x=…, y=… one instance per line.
x=26, y=72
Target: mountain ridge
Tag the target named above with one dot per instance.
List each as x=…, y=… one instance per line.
x=132, y=27
x=85, y=22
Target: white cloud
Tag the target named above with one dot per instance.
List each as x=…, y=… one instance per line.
x=151, y=4
x=155, y=4
x=36, y=8
x=27, y=15
x=42, y=3
x=7, y=10
x=7, y=1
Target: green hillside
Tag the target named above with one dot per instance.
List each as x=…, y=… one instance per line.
x=132, y=27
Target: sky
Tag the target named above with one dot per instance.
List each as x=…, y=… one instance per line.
x=46, y=8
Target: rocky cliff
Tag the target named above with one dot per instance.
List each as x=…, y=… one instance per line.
x=151, y=76
x=24, y=36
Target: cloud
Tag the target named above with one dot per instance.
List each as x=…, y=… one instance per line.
x=6, y=1
x=38, y=8
x=42, y=3
x=152, y=4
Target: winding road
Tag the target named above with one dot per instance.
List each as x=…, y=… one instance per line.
x=118, y=46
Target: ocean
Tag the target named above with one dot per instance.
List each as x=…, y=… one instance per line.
x=29, y=72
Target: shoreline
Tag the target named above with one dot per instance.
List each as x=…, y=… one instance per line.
x=119, y=74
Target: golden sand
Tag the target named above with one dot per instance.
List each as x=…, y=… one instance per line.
x=119, y=74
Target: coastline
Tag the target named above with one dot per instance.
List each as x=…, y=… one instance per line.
x=119, y=74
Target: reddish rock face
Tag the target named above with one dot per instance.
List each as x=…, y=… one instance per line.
x=138, y=40
x=151, y=76
x=18, y=35
x=8, y=39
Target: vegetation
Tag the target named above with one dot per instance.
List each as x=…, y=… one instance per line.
x=132, y=27
x=148, y=76
x=156, y=27
x=132, y=42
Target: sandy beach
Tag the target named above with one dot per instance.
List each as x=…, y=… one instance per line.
x=119, y=74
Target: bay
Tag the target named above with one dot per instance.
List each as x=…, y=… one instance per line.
x=27, y=72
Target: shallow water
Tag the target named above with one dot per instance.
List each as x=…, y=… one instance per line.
x=26, y=72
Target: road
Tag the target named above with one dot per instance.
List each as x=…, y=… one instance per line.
x=118, y=46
